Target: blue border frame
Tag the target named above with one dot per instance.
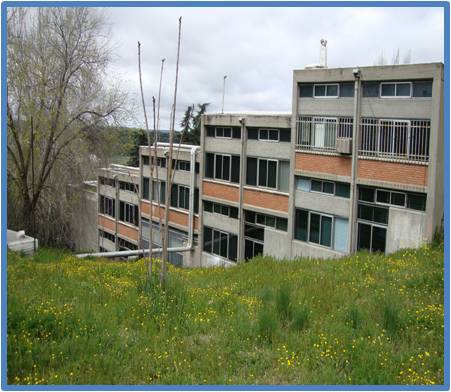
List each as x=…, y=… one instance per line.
x=221, y=3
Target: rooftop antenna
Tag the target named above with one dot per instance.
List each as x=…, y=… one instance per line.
x=323, y=53
x=223, y=93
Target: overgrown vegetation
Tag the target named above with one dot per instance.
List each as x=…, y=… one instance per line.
x=365, y=319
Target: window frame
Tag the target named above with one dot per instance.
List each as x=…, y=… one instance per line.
x=223, y=137
x=325, y=90
x=260, y=139
x=267, y=173
x=396, y=89
x=222, y=171
x=320, y=214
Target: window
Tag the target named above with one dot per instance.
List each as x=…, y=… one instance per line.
x=307, y=184
x=252, y=248
x=346, y=90
x=103, y=234
x=107, y=181
x=222, y=167
x=129, y=213
x=259, y=219
x=223, y=132
x=220, y=243
x=160, y=162
x=222, y=209
x=372, y=213
x=181, y=165
x=313, y=227
x=107, y=206
x=128, y=186
x=305, y=90
x=269, y=135
x=396, y=89
x=158, y=190
x=268, y=173
x=325, y=90
x=126, y=245
x=415, y=201
x=180, y=196
x=422, y=89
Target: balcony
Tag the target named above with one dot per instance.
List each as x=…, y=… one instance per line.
x=386, y=139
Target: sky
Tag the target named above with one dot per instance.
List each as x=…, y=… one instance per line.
x=257, y=48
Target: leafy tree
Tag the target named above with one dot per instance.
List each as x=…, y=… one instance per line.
x=56, y=98
x=191, y=123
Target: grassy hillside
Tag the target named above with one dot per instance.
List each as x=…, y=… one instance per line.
x=360, y=320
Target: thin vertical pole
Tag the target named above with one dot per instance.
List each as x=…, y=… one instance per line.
x=223, y=93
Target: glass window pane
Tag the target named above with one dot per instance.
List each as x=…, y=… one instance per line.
x=217, y=208
x=227, y=132
x=332, y=90
x=282, y=224
x=270, y=220
x=258, y=249
x=346, y=90
x=388, y=90
x=317, y=186
x=252, y=133
x=249, y=216
x=235, y=175
x=398, y=199
x=314, y=228
x=216, y=242
x=416, y=201
x=366, y=194
x=370, y=89
x=248, y=249
x=210, y=132
x=218, y=172
x=251, y=171
x=262, y=172
x=207, y=239
x=233, y=245
x=403, y=90
x=378, y=243
x=422, y=89
x=380, y=215
x=225, y=210
x=341, y=234
x=208, y=206
x=328, y=187
x=306, y=90
x=326, y=230
x=272, y=174
x=342, y=189
x=320, y=90
x=263, y=134
x=224, y=245
x=303, y=184
x=364, y=237
x=254, y=232
x=234, y=212
x=236, y=133
x=301, y=225
x=284, y=175
x=226, y=168
x=274, y=134
x=285, y=135
x=365, y=212
x=383, y=196
x=261, y=219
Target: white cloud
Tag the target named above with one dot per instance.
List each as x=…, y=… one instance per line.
x=258, y=48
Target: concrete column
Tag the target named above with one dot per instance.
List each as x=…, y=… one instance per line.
x=243, y=161
x=352, y=224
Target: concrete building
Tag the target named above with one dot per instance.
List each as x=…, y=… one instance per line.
x=357, y=164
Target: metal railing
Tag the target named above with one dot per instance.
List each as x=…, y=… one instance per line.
x=406, y=140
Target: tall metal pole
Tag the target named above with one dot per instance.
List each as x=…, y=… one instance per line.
x=352, y=237
x=223, y=93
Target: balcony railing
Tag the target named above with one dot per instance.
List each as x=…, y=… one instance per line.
x=406, y=140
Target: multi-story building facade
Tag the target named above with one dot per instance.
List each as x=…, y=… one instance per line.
x=357, y=164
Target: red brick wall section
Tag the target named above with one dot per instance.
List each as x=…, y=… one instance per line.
x=393, y=172
x=340, y=166
x=221, y=191
x=108, y=223
x=179, y=218
x=367, y=169
x=144, y=207
x=127, y=231
x=266, y=200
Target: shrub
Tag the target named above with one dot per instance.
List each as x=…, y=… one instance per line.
x=283, y=303
x=300, y=318
x=267, y=326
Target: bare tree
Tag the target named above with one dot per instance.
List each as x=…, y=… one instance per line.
x=57, y=58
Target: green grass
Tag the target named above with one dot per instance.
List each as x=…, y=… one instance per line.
x=365, y=319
